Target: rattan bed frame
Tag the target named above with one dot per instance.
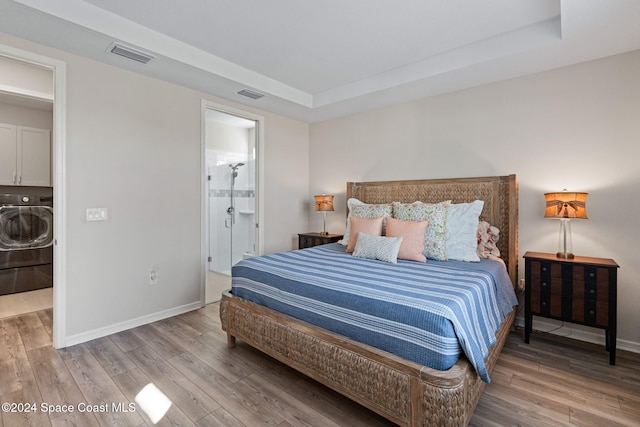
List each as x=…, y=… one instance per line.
x=405, y=392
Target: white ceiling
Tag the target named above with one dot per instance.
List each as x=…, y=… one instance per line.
x=316, y=60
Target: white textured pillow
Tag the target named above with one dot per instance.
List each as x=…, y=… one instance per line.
x=360, y=209
x=377, y=247
x=462, y=231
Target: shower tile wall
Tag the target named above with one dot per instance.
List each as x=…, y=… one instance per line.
x=223, y=253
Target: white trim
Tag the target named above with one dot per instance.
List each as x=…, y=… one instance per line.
x=594, y=336
x=31, y=94
x=131, y=323
x=204, y=209
x=59, y=151
x=204, y=227
x=59, y=174
x=631, y=346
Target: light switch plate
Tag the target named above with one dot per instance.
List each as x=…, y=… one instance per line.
x=97, y=214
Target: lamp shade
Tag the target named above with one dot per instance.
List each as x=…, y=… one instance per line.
x=324, y=203
x=566, y=205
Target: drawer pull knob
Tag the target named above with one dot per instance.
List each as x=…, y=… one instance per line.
x=544, y=284
x=592, y=275
x=544, y=303
x=592, y=291
x=591, y=312
x=544, y=269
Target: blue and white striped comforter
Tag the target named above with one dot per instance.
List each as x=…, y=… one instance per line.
x=424, y=312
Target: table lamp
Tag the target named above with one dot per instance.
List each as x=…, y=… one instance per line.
x=324, y=204
x=565, y=206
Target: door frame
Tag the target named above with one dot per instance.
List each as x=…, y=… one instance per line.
x=58, y=176
x=204, y=223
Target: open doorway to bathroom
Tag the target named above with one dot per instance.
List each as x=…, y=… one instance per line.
x=231, y=154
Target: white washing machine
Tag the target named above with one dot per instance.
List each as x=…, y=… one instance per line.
x=26, y=238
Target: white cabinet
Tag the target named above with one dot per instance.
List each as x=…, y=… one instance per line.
x=8, y=154
x=34, y=157
x=25, y=156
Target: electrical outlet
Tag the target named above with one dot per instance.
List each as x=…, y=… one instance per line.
x=153, y=277
x=521, y=285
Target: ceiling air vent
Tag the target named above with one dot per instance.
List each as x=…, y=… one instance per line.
x=250, y=94
x=131, y=53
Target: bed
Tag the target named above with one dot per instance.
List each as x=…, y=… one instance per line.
x=402, y=390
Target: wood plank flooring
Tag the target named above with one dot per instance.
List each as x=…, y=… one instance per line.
x=552, y=381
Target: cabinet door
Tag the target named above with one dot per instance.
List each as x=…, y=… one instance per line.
x=591, y=295
x=8, y=154
x=34, y=157
x=546, y=288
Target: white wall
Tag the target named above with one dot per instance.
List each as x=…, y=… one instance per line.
x=25, y=78
x=575, y=128
x=25, y=116
x=225, y=137
x=287, y=176
x=133, y=146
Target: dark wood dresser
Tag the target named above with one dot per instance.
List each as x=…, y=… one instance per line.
x=580, y=290
x=307, y=240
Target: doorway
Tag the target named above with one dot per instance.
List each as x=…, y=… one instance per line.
x=231, y=149
x=55, y=99
x=26, y=209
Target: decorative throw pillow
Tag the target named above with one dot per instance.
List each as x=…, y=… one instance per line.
x=377, y=247
x=372, y=226
x=359, y=209
x=487, y=238
x=412, y=233
x=462, y=230
x=435, y=243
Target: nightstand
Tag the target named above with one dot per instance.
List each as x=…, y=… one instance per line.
x=581, y=290
x=307, y=240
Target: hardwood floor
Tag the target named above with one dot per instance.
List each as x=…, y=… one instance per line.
x=552, y=381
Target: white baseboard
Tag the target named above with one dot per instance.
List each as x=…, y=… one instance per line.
x=129, y=324
x=594, y=336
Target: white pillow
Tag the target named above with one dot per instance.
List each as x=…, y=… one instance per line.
x=462, y=231
x=377, y=247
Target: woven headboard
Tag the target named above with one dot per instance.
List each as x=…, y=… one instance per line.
x=500, y=195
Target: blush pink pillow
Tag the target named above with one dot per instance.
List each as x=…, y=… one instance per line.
x=371, y=226
x=412, y=232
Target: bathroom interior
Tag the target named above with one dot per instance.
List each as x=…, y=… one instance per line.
x=230, y=156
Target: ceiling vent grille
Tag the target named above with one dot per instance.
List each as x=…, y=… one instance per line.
x=250, y=94
x=131, y=53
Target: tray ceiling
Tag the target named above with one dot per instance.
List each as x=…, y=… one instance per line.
x=315, y=60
